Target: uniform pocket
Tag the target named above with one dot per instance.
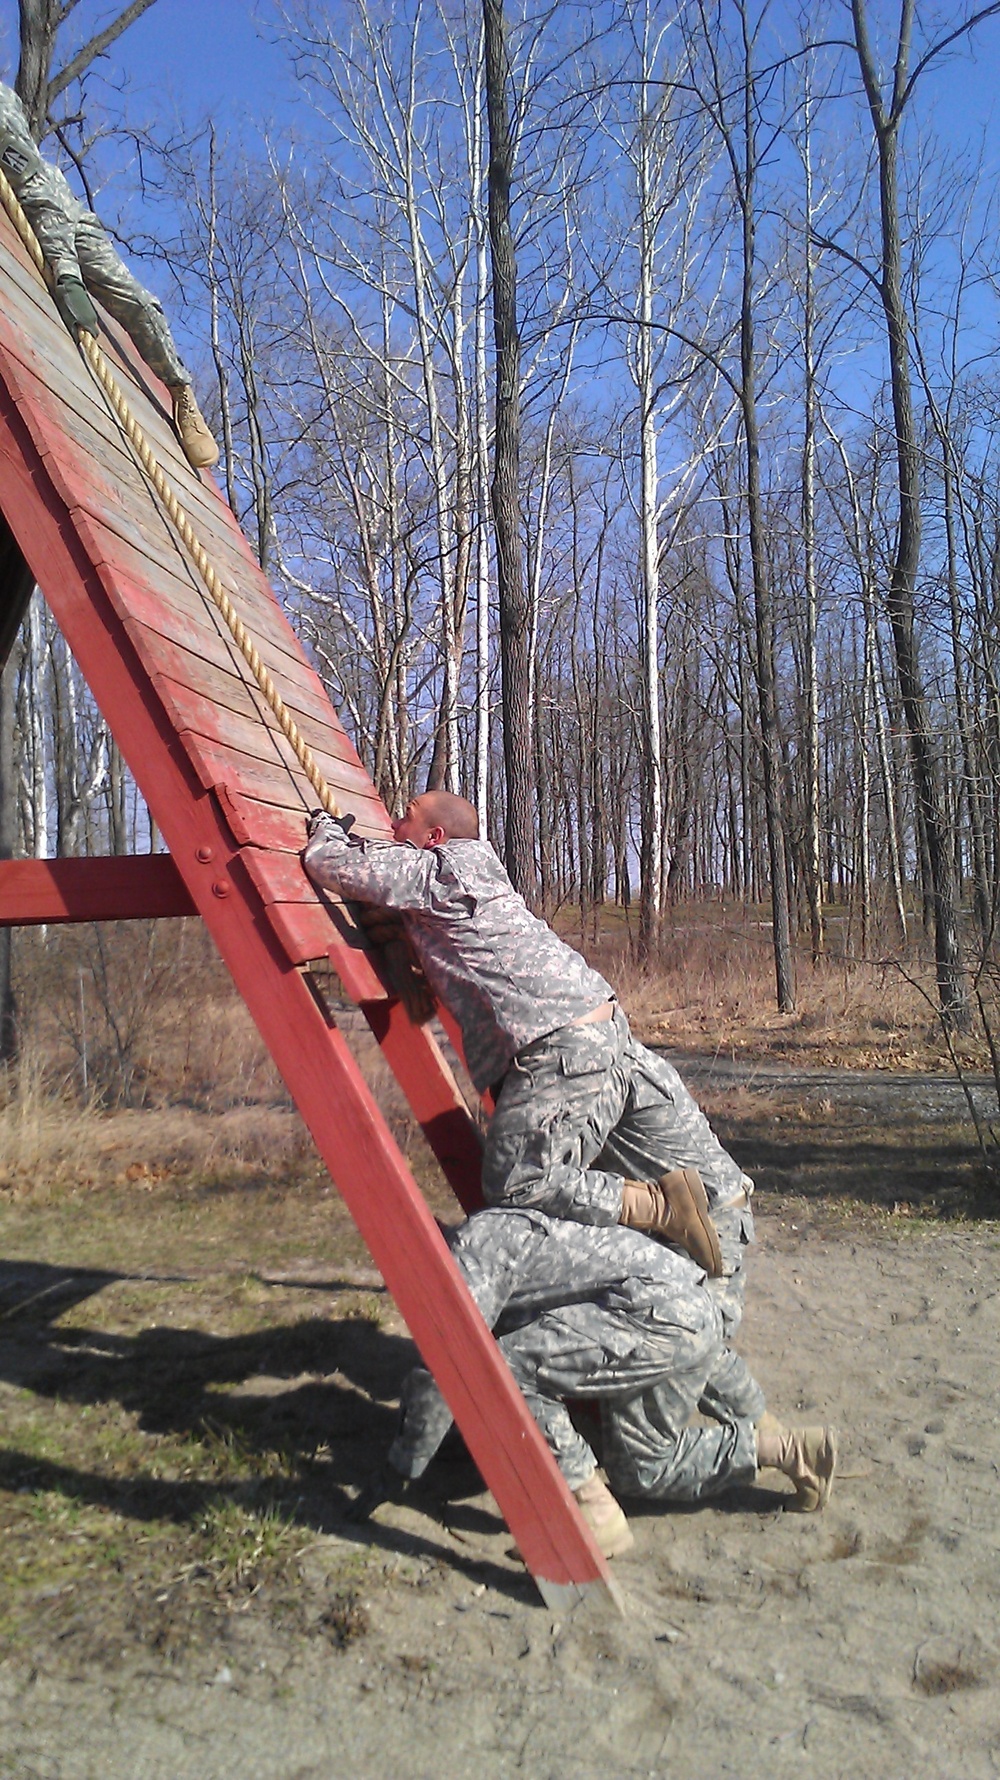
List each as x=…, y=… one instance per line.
x=588, y=1050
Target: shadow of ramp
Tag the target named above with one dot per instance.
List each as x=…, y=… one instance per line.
x=42, y=1292
x=301, y=1414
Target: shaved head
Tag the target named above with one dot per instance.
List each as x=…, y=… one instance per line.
x=454, y=814
x=436, y=817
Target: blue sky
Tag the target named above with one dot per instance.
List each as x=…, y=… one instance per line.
x=194, y=56
x=206, y=56
x=190, y=58
x=187, y=59
x=198, y=56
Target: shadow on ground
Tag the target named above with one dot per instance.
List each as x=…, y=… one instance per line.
x=305, y=1411
x=868, y=1157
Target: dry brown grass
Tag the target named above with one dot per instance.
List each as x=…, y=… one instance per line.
x=179, y=1084
x=713, y=991
x=141, y=1064
x=43, y=1134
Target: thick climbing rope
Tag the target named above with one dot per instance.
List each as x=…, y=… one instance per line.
x=91, y=350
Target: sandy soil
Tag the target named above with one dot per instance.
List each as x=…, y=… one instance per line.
x=862, y=1641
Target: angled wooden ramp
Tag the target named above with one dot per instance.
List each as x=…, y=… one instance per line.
x=228, y=796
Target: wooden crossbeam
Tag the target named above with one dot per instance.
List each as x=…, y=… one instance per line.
x=141, y=886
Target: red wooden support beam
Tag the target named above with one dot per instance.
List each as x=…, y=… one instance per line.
x=425, y=1078
x=141, y=886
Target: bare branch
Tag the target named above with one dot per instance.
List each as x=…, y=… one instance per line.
x=97, y=46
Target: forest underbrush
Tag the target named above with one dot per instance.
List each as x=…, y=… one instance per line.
x=140, y=1064
x=712, y=991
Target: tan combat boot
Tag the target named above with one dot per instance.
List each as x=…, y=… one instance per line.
x=199, y=446
x=676, y=1208
x=806, y=1455
x=605, y=1517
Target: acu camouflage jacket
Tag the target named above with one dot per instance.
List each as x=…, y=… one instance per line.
x=506, y=978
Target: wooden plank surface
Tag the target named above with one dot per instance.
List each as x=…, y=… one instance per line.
x=113, y=510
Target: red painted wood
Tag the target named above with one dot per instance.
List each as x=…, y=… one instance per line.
x=304, y=932
x=293, y=906
x=41, y=479
x=281, y=877
x=189, y=676
x=144, y=886
x=273, y=775
x=254, y=824
x=435, y=1097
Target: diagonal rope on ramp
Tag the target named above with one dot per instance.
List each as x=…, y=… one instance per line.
x=241, y=636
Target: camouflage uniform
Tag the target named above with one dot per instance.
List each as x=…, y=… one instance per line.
x=76, y=246
x=585, y=1311
x=506, y=977
x=587, y=1106
x=578, y=1107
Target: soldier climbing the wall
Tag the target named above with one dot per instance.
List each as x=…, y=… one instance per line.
x=588, y=1125
x=590, y=1131
x=81, y=260
x=600, y=1313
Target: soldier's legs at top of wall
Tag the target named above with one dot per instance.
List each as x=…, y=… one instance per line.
x=109, y=280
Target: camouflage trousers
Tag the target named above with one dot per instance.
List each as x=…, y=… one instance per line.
x=606, y=1316
x=649, y=1375
x=87, y=253
x=587, y=1106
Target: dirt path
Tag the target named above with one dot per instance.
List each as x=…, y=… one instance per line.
x=862, y=1641
x=859, y=1642
x=903, y=1092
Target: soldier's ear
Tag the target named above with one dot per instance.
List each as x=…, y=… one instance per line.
x=436, y=836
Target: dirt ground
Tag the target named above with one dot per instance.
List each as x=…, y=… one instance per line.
x=193, y=1383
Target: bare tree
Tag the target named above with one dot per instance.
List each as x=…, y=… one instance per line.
x=887, y=111
x=513, y=605
x=38, y=86
x=730, y=90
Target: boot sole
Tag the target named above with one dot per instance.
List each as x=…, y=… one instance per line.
x=699, y=1217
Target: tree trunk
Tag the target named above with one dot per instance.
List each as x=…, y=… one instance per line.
x=515, y=616
x=811, y=848
x=651, y=809
x=40, y=22
x=764, y=660
x=903, y=574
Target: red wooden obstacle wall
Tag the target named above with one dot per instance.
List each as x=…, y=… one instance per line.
x=228, y=796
